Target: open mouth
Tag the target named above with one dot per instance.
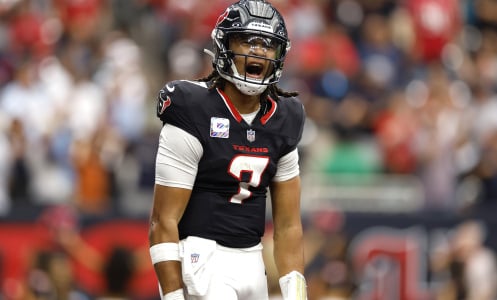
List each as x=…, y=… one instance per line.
x=254, y=70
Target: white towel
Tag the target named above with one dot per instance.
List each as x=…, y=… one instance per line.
x=195, y=264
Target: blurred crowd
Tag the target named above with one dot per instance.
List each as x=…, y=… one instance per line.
x=390, y=87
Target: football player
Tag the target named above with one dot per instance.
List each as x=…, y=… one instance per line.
x=226, y=139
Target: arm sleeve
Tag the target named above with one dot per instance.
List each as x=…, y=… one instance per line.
x=288, y=166
x=177, y=158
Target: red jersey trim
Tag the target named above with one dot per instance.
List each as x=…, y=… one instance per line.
x=270, y=113
x=234, y=112
x=238, y=117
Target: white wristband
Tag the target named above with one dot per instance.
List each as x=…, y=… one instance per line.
x=174, y=295
x=164, y=252
x=293, y=286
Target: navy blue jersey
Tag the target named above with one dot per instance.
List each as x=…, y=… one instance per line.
x=228, y=200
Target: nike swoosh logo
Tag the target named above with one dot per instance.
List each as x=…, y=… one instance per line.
x=170, y=89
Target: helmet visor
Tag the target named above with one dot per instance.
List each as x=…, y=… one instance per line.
x=251, y=42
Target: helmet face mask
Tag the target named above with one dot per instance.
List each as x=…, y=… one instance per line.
x=255, y=27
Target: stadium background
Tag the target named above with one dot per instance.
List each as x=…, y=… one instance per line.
x=399, y=154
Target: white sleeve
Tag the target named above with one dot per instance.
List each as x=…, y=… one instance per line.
x=288, y=166
x=177, y=158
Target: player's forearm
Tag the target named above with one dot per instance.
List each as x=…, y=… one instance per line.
x=288, y=234
x=162, y=230
x=289, y=249
x=167, y=266
x=164, y=235
x=169, y=275
x=289, y=258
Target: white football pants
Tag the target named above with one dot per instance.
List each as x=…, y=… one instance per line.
x=238, y=274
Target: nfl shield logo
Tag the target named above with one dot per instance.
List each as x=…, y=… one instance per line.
x=250, y=135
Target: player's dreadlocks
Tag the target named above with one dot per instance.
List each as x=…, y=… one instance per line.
x=273, y=90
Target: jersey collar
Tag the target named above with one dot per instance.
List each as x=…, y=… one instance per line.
x=268, y=113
